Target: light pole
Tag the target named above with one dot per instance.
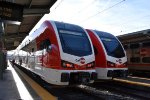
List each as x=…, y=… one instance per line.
x=2, y=62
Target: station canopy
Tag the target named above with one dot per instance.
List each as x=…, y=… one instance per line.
x=32, y=11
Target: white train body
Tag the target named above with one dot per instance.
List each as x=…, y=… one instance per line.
x=60, y=53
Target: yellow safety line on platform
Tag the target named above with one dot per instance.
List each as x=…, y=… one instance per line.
x=139, y=78
x=45, y=95
x=132, y=82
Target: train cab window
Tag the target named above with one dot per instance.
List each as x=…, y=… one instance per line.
x=125, y=46
x=146, y=44
x=45, y=44
x=32, y=49
x=134, y=46
x=41, y=46
x=146, y=60
x=135, y=59
x=95, y=50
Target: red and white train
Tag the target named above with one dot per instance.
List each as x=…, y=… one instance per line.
x=137, y=47
x=110, y=56
x=60, y=53
x=138, y=54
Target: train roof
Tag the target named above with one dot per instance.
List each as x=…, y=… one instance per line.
x=104, y=34
x=68, y=26
x=59, y=25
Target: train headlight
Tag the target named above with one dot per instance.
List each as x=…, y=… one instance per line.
x=90, y=65
x=110, y=64
x=67, y=64
x=125, y=64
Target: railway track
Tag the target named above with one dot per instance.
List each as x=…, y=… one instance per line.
x=104, y=94
x=104, y=90
x=61, y=92
x=131, y=91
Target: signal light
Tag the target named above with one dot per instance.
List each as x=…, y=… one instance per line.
x=90, y=65
x=67, y=64
x=110, y=64
x=125, y=64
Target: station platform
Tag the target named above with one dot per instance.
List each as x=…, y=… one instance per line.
x=14, y=87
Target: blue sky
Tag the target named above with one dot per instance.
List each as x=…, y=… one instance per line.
x=126, y=17
x=104, y=15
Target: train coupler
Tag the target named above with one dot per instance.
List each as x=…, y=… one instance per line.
x=79, y=78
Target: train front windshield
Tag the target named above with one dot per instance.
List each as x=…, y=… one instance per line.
x=75, y=43
x=111, y=44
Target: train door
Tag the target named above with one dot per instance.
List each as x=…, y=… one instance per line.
x=145, y=56
x=145, y=52
x=47, y=45
x=32, y=49
x=40, y=53
x=135, y=58
x=45, y=48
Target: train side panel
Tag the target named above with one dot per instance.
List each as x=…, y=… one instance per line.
x=138, y=56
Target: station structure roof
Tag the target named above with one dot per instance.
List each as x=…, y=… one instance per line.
x=139, y=36
x=33, y=11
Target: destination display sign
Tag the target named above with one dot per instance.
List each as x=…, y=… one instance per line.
x=10, y=11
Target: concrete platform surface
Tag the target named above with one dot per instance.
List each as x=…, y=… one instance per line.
x=12, y=87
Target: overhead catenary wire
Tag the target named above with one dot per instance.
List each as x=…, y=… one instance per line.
x=84, y=8
x=134, y=20
x=126, y=22
x=106, y=8
x=131, y=20
x=102, y=11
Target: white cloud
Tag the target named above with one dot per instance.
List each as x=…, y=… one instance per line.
x=128, y=16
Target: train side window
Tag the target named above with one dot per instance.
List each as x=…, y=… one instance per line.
x=134, y=46
x=45, y=44
x=125, y=46
x=146, y=60
x=135, y=59
x=146, y=44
